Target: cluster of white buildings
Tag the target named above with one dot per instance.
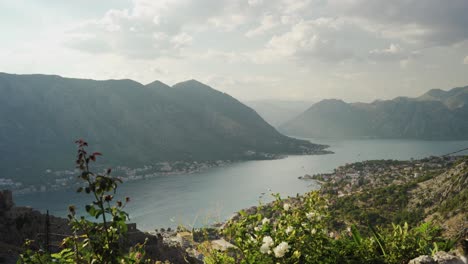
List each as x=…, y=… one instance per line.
x=351, y=177
x=9, y=184
x=68, y=178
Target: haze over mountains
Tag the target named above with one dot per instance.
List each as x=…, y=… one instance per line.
x=436, y=114
x=277, y=112
x=131, y=123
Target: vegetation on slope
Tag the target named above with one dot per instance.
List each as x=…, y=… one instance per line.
x=298, y=231
x=385, y=223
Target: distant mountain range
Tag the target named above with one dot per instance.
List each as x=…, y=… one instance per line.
x=131, y=123
x=437, y=114
x=276, y=112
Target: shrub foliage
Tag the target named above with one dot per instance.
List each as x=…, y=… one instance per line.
x=99, y=241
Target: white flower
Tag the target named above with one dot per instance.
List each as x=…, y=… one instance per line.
x=289, y=229
x=264, y=248
x=268, y=241
x=281, y=249
x=331, y=234
x=265, y=221
x=257, y=228
x=310, y=215
x=313, y=231
x=286, y=206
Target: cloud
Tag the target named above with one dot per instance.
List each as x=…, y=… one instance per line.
x=393, y=52
x=181, y=40
x=151, y=29
x=393, y=49
x=255, y=2
x=465, y=61
x=212, y=56
x=133, y=34
x=350, y=76
x=268, y=22
x=306, y=41
x=428, y=22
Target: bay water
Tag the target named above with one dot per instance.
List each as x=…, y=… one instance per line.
x=203, y=198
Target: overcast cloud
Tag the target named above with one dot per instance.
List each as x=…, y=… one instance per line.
x=357, y=50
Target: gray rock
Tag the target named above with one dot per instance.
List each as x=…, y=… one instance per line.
x=422, y=260
x=6, y=200
x=442, y=257
x=221, y=245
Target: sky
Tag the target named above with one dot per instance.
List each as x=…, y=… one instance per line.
x=355, y=50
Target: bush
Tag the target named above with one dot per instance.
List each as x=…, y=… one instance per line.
x=93, y=242
x=285, y=232
x=298, y=231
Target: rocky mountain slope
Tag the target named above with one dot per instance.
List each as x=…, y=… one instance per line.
x=384, y=192
x=435, y=115
x=445, y=198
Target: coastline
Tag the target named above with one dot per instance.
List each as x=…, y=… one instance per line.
x=66, y=179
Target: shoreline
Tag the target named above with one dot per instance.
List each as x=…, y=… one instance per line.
x=320, y=183
x=66, y=179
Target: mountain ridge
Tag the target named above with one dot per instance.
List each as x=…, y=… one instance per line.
x=41, y=116
x=434, y=115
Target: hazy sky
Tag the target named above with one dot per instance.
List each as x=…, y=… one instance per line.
x=357, y=50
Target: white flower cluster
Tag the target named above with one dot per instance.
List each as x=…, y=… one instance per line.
x=312, y=215
x=267, y=243
x=281, y=249
x=265, y=221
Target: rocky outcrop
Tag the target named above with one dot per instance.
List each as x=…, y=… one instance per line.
x=440, y=257
x=422, y=260
x=6, y=200
x=444, y=199
x=157, y=249
x=20, y=223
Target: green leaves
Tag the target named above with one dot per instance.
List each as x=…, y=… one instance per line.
x=97, y=242
x=303, y=224
x=93, y=211
x=286, y=231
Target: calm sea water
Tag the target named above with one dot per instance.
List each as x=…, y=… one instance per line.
x=213, y=195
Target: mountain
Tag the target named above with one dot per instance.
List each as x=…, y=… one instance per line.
x=444, y=198
x=131, y=123
x=437, y=114
x=276, y=112
x=453, y=99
